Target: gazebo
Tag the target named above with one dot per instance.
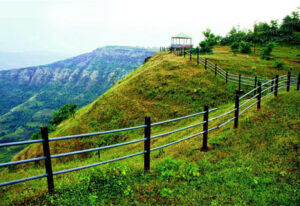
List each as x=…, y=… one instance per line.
x=181, y=40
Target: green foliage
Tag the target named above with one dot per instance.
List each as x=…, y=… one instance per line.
x=63, y=113
x=245, y=47
x=235, y=47
x=205, y=47
x=60, y=115
x=279, y=64
x=288, y=32
x=209, y=42
x=267, y=50
x=28, y=105
x=169, y=168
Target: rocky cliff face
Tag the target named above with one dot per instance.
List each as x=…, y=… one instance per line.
x=28, y=95
x=86, y=67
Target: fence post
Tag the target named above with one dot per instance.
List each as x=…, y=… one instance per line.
x=226, y=77
x=190, y=54
x=48, y=165
x=255, y=82
x=276, y=85
x=205, y=129
x=216, y=68
x=259, y=95
x=184, y=52
x=298, y=82
x=197, y=55
x=288, y=82
x=180, y=51
x=236, y=113
x=147, y=144
x=205, y=63
x=240, y=77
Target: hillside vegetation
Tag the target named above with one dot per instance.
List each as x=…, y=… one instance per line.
x=164, y=83
x=254, y=164
x=238, y=169
x=253, y=65
x=28, y=96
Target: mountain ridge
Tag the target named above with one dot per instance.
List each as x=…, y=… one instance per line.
x=78, y=80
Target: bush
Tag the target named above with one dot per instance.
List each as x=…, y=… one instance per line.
x=235, y=47
x=279, y=64
x=245, y=47
x=267, y=50
x=63, y=113
x=210, y=41
x=205, y=47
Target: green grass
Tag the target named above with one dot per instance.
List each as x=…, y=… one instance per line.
x=165, y=83
x=253, y=65
x=255, y=164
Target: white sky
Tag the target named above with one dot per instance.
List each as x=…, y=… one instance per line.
x=78, y=26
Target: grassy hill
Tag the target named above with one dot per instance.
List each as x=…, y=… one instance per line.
x=256, y=165
x=238, y=169
x=165, y=83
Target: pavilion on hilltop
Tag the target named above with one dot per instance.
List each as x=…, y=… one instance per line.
x=181, y=40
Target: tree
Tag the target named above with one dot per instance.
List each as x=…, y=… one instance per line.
x=245, y=47
x=267, y=50
x=209, y=42
x=63, y=113
x=235, y=47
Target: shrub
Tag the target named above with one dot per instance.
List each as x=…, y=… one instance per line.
x=205, y=47
x=235, y=47
x=267, y=50
x=210, y=41
x=245, y=47
x=279, y=64
x=63, y=113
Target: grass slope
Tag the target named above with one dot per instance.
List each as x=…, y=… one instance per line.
x=253, y=65
x=165, y=83
x=257, y=164
x=242, y=165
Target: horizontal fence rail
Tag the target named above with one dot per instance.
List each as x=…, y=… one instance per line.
x=261, y=86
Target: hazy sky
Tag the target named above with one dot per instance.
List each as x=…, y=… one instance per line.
x=78, y=26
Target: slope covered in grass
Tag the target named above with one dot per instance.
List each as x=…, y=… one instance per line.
x=253, y=65
x=256, y=164
x=166, y=86
x=241, y=166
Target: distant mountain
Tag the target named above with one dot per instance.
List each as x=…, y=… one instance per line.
x=12, y=60
x=29, y=95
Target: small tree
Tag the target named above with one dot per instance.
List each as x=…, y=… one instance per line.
x=209, y=42
x=205, y=47
x=63, y=113
x=267, y=50
x=235, y=47
x=245, y=47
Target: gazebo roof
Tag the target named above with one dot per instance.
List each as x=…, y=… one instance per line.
x=182, y=36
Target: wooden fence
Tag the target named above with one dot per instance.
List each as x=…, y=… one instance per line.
x=260, y=91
